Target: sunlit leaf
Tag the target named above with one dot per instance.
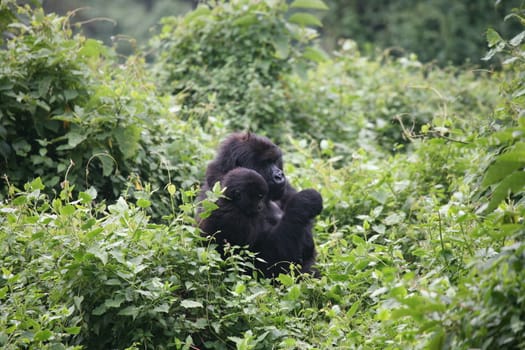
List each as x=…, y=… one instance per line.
x=305, y=19
x=43, y=335
x=309, y=4
x=493, y=37
x=518, y=39
x=191, y=304
x=315, y=54
x=512, y=183
x=246, y=20
x=73, y=330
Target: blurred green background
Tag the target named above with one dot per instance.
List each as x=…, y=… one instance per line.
x=441, y=31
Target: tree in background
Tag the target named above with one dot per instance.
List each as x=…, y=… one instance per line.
x=121, y=22
x=436, y=30
x=445, y=31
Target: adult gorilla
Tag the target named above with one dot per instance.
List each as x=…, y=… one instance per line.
x=282, y=233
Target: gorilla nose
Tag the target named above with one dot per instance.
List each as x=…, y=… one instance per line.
x=278, y=178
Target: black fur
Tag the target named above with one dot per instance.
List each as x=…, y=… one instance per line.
x=280, y=231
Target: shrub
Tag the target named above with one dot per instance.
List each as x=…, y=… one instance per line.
x=380, y=104
x=231, y=59
x=70, y=112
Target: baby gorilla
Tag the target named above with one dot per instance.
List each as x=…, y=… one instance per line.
x=241, y=219
x=237, y=218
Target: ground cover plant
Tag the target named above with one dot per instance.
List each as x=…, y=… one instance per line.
x=421, y=170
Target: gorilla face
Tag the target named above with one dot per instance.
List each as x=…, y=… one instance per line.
x=271, y=170
x=246, y=189
x=253, y=152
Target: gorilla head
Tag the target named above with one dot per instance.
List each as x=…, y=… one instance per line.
x=246, y=189
x=253, y=152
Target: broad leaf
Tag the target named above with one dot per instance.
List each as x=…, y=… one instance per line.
x=127, y=139
x=505, y=164
x=309, y=4
x=305, y=19
x=190, y=304
x=513, y=183
x=315, y=54
x=493, y=37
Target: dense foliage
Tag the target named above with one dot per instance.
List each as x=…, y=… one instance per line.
x=441, y=31
x=70, y=113
x=232, y=61
x=421, y=170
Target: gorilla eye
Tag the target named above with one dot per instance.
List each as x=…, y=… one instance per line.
x=260, y=195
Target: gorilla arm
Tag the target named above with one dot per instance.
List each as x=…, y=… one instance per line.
x=290, y=240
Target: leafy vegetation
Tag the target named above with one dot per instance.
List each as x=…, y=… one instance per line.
x=232, y=61
x=440, y=31
x=70, y=113
x=421, y=170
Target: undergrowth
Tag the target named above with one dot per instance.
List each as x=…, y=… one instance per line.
x=420, y=243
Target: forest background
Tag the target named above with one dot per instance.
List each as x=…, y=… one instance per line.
x=441, y=31
x=407, y=116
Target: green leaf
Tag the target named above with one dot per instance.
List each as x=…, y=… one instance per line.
x=286, y=280
x=305, y=19
x=281, y=45
x=85, y=197
x=115, y=302
x=190, y=304
x=143, y=203
x=200, y=11
x=498, y=171
x=513, y=183
x=132, y=311
x=309, y=4
x=43, y=86
x=164, y=308
x=518, y=39
x=128, y=140
x=67, y=210
x=493, y=38
x=240, y=288
x=70, y=94
x=21, y=147
x=92, y=48
x=353, y=309
x=437, y=340
x=73, y=330
x=394, y=218
x=101, y=254
x=3, y=292
x=294, y=293
x=505, y=164
x=94, y=233
x=108, y=163
x=20, y=200
x=315, y=54
x=43, y=335
x=74, y=138
x=246, y=20
x=37, y=184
